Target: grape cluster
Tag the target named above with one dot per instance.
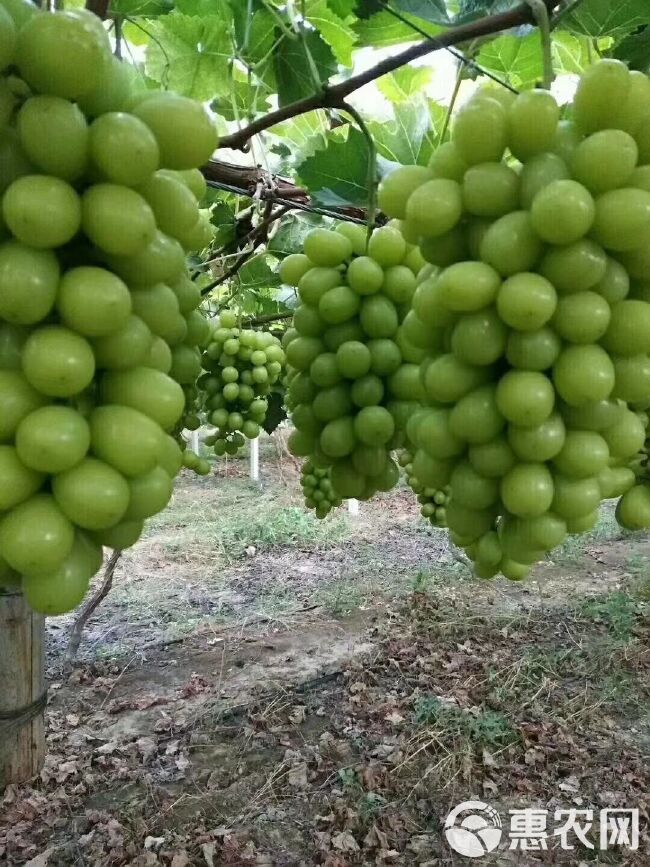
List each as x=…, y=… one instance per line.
x=317, y=487
x=352, y=380
x=99, y=326
x=433, y=501
x=536, y=315
x=243, y=365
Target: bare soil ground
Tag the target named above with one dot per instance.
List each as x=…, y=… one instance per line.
x=261, y=688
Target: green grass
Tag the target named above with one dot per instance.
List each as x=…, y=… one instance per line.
x=236, y=517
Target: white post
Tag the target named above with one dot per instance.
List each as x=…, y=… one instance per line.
x=353, y=507
x=194, y=441
x=255, y=460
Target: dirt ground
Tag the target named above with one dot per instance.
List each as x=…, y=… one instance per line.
x=261, y=688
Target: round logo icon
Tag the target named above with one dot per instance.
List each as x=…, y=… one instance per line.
x=475, y=834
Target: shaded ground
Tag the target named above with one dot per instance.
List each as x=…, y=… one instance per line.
x=264, y=689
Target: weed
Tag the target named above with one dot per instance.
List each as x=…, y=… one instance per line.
x=339, y=597
x=487, y=728
x=617, y=611
x=349, y=779
x=370, y=805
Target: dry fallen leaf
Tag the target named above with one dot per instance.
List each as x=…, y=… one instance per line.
x=153, y=843
x=297, y=776
x=40, y=860
x=208, y=850
x=345, y=842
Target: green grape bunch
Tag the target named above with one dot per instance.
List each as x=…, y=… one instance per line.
x=242, y=367
x=100, y=326
x=317, y=487
x=534, y=315
x=353, y=376
x=433, y=501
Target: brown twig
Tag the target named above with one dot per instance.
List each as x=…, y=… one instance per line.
x=255, y=238
x=86, y=612
x=334, y=95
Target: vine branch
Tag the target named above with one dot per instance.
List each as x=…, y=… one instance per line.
x=258, y=236
x=91, y=604
x=333, y=95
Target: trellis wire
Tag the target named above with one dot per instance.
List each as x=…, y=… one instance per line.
x=299, y=206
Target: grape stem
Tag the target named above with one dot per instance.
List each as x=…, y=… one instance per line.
x=540, y=11
x=372, y=164
x=333, y=95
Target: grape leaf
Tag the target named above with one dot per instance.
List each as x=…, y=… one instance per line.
x=244, y=97
x=635, y=50
x=403, y=84
x=338, y=175
x=519, y=58
x=275, y=412
x=257, y=274
x=293, y=70
x=334, y=30
x=470, y=10
x=383, y=29
x=403, y=139
x=343, y=8
x=197, y=7
x=570, y=52
x=190, y=54
x=430, y=10
x=254, y=36
x=597, y=18
x=141, y=8
x=304, y=134
x=292, y=232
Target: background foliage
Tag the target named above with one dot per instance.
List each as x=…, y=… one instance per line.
x=246, y=57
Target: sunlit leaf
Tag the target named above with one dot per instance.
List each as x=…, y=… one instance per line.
x=570, y=52
x=517, y=58
x=403, y=139
x=383, y=29
x=302, y=135
x=335, y=30
x=190, y=54
x=403, y=84
x=257, y=274
x=338, y=175
x=136, y=8
x=244, y=100
x=598, y=18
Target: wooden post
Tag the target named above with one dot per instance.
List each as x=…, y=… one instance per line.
x=22, y=690
x=353, y=507
x=255, y=460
